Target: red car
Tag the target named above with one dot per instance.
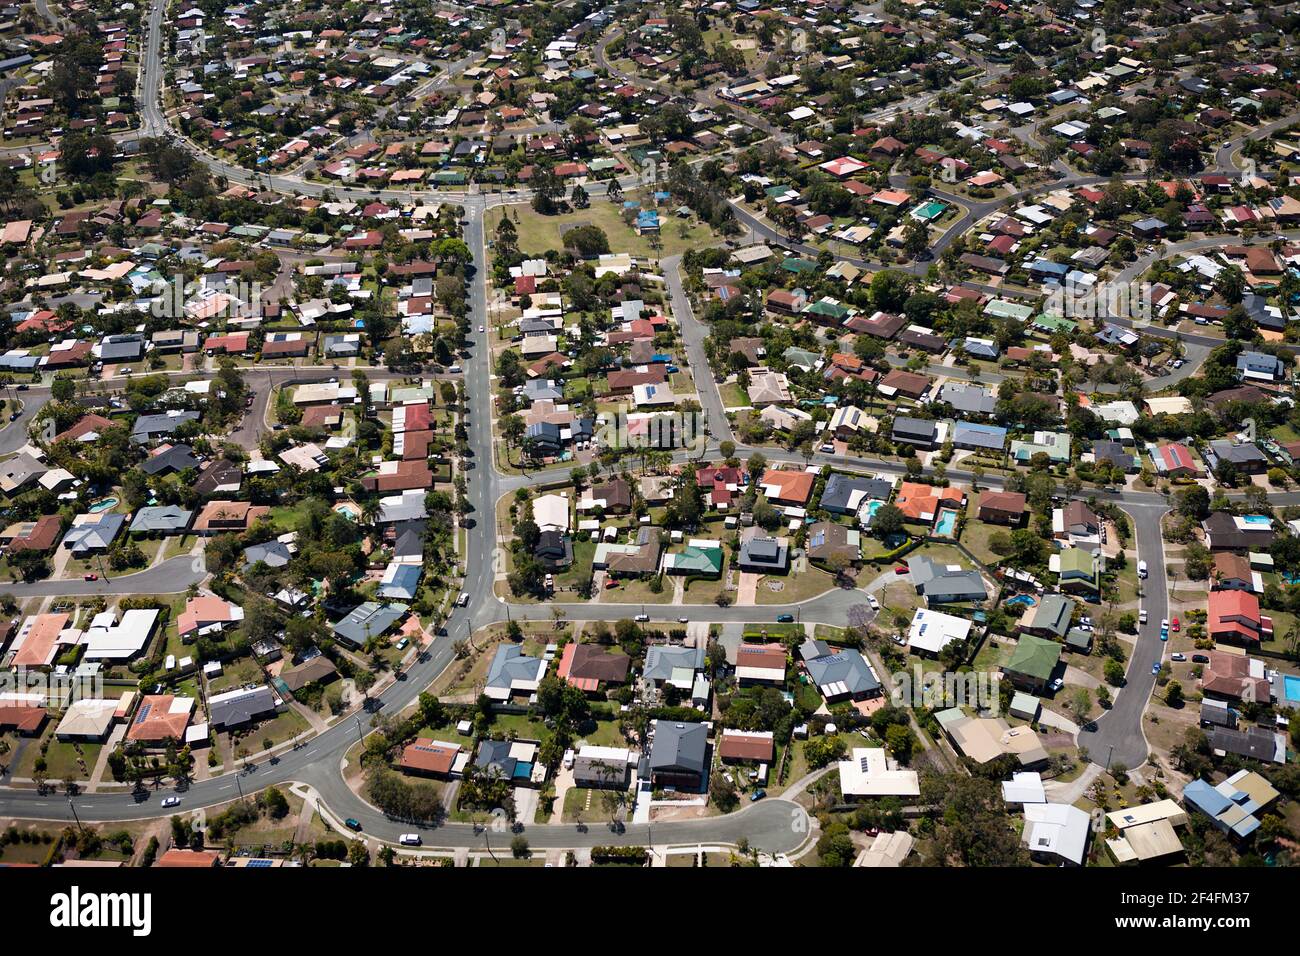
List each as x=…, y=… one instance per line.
x=92, y=577
x=611, y=583
x=901, y=569
x=1174, y=624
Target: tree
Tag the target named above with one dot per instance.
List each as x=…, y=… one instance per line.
x=1174, y=694
x=888, y=520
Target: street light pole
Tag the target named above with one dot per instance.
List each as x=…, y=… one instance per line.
x=73, y=807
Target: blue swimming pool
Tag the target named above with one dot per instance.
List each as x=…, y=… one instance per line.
x=872, y=506
x=1024, y=599
x=946, y=524
x=1260, y=521
x=104, y=504
x=1291, y=685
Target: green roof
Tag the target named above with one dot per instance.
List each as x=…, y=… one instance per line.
x=1054, y=323
x=1034, y=657
x=700, y=560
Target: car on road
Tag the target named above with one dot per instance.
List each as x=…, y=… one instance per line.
x=642, y=618
x=171, y=802
x=1178, y=657
x=91, y=577
x=1164, y=634
x=1142, y=616
x=1173, y=625
x=352, y=824
x=683, y=620
x=1142, y=569
x=1155, y=668
x=757, y=795
x=785, y=619
x=463, y=599
x=1164, y=623
x=23, y=387
x=410, y=839
x=480, y=328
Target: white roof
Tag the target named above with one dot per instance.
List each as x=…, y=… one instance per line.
x=1056, y=828
x=106, y=640
x=868, y=773
x=87, y=718
x=551, y=513
x=1024, y=787
x=931, y=630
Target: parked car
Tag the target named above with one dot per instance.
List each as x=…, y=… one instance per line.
x=757, y=795
x=1155, y=668
x=1174, y=624
x=1142, y=616
x=1200, y=658
x=875, y=605
x=91, y=577
x=900, y=569
x=1178, y=657
x=1058, y=683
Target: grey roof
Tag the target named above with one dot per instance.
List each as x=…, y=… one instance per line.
x=275, y=554
x=1260, y=363
x=94, y=535
x=937, y=581
x=538, y=389
x=408, y=507
x=1054, y=613
x=510, y=665
x=405, y=583
x=765, y=552
x=848, y=668
x=240, y=708
x=176, y=458
x=662, y=659
x=840, y=488
x=495, y=755
x=161, y=518
x=368, y=620
x=975, y=435
x=117, y=347
x=969, y=398
x=678, y=746
x=907, y=427
x=150, y=426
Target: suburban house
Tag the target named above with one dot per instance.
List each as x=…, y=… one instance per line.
x=1032, y=663
x=676, y=757
x=1234, y=618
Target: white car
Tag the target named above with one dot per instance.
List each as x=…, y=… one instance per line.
x=1142, y=616
x=642, y=618
x=875, y=605
x=171, y=802
x=1058, y=684
x=1164, y=623
x=409, y=839
x=480, y=328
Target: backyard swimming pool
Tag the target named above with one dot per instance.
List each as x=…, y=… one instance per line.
x=1024, y=599
x=1291, y=686
x=874, y=505
x=946, y=524
x=103, y=504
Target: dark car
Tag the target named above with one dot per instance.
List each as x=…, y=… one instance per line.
x=757, y=795
x=1200, y=658
x=785, y=619
x=352, y=824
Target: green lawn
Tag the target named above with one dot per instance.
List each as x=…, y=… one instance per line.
x=538, y=234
